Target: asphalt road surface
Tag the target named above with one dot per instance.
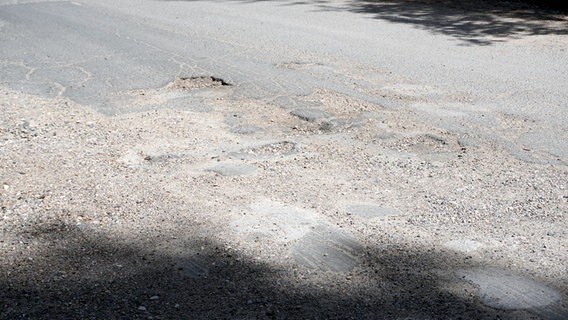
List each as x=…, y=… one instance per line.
x=279, y=49
x=321, y=159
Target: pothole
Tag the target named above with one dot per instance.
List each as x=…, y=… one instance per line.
x=310, y=114
x=427, y=143
x=189, y=93
x=197, y=82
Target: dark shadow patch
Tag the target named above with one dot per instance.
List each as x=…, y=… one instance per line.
x=476, y=22
x=76, y=273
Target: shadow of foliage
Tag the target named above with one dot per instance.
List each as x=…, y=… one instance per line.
x=84, y=275
x=475, y=22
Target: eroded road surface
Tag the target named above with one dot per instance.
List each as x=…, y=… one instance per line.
x=283, y=160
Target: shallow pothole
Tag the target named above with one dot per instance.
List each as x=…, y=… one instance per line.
x=310, y=114
x=422, y=144
x=197, y=82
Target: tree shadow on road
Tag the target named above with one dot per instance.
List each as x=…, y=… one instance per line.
x=87, y=275
x=474, y=22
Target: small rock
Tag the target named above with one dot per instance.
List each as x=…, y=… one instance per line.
x=154, y=298
x=142, y=308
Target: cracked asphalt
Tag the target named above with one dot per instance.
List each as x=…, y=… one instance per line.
x=283, y=160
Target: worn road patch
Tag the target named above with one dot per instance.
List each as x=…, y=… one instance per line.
x=276, y=222
x=233, y=169
x=327, y=249
x=502, y=290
